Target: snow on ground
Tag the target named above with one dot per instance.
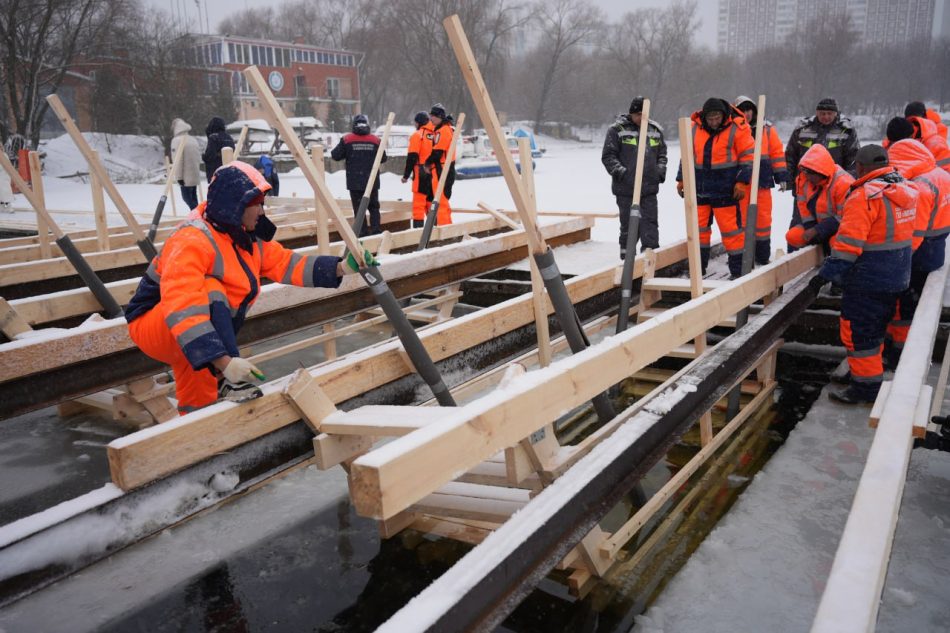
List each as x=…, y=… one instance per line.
x=569, y=177
x=127, y=158
x=765, y=565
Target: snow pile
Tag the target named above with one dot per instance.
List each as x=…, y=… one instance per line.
x=127, y=158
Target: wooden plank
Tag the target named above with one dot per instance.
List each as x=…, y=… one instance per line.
x=381, y=420
x=852, y=593
x=11, y=323
x=677, y=284
x=99, y=210
x=692, y=223
x=36, y=179
x=309, y=400
x=878, y=408
x=609, y=548
x=333, y=450
x=381, y=482
x=537, y=283
x=138, y=459
x=484, y=206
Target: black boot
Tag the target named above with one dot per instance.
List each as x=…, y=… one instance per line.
x=763, y=251
x=853, y=395
x=704, y=257
x=735, y=266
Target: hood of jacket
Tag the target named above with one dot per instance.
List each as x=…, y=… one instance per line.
x=732, y=117
x=887, y=182
x=179, y=127
x=911, y=158
x=216, y=124
x=819, y=159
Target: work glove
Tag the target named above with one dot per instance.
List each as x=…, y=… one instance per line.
x=815, y=283
x=367, y=257
x=242, y=370
x=739, y=191
x=619, y=172
x=783, y=186
x=798, y=236
x=679, y=188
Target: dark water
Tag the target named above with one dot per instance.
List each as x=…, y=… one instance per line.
x=332, y=573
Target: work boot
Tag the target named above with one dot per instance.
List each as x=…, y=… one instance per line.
x=763, y=252
x=735, y=266
x=237, y=391
x=841, y=379
x=704, y=258
x=851, y=395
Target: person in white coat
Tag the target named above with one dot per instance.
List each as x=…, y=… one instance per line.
x=187, y=171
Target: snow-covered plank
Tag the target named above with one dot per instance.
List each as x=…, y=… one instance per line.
x=853, y=592
x=400, y=473
x=148, y=455
x=380, y=420
x=680, y=284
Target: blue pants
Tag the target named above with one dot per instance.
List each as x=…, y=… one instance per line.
x=864, y=319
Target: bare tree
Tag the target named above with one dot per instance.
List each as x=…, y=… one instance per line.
x=40, y=40
x=564, y=25
x=817, y=53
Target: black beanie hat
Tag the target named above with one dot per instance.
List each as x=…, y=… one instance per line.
x=915, y=108
x=437, y=110
x=871, y=156
x=714, y=104
x=827, y=104
x=636, y=106
x=899, y=128
x=421, y=118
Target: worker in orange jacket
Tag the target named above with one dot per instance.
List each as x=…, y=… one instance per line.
x=194, y=297
x=772, y=171
x=420, y=147
x=723, y=147
x=442, y=136
x=918, y=109
x=916, y=164
x=923, y=130
x=871, y=258
x=821, y=189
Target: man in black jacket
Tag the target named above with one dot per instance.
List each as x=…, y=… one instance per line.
x=826, y=128
x=217, y=140
x=620, y=160
x=358, y=149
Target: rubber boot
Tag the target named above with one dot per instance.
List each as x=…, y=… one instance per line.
x=704, y=257
x=735, y=266
x=763, y=252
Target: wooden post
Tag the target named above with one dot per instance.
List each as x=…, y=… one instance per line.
x=11, y=323
x=42, y=227
x=242, y=138
x=95, y=165
x=227, y=155
x=537, y=284
x=323, y=223
x=99, y=209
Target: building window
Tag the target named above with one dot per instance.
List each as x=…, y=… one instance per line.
x=333, y=87
x=231, y=52
x=255, y=56
x=214, y=84
x=270, y=55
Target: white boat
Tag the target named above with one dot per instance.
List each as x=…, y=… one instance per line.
x=477, y=158
x=398, y=142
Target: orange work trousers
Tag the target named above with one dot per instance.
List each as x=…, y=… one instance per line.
x=730, y=218
x=763, y=219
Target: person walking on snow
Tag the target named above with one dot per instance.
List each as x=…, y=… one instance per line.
x=265, y=165
x=218, y=139
x=619, y=158
x=772, y=172
x=871, y=259
x=187, y=171
x=723, y=149
x=193, y=299
x=358, y=149
x=420, y=146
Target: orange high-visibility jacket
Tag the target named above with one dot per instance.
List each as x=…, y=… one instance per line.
x=871, y=251
x=441, y=142
x=722, y=158
x=929, y=134
x=825, y=202
x=941, y=128
x=420, y=147
x=917, y=165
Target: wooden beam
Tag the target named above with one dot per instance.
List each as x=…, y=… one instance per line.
x=139, y=459
x=98, y=210
x=389, y=480
x=11, y=323
x=36, y=179
x=308, y=399
x=537, y=283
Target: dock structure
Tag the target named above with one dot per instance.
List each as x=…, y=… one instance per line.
x=527, y=459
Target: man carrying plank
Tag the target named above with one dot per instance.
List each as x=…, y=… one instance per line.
x=358, y=149
x=619, y=157
x=192, y=300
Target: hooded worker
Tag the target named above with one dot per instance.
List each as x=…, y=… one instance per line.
x=218, y=139
x=772, y=172
x=193, y=299
x=359, y=149
x=923, y=129
x=917, y=165
x=871, y=258
x=821, y=190
x=723, y=149
x=187, y=170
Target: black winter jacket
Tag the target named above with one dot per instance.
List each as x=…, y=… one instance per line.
x=620, y=150
x=839, y=138
x=359, y=152
x=217, y=139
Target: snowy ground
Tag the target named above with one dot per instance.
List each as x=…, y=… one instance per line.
x=765, y=565
x=569, y=177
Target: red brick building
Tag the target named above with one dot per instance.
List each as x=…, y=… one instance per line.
x=296, y=73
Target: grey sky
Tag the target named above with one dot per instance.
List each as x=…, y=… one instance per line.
x=218, y=9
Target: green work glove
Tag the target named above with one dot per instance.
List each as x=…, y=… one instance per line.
x=367, y=257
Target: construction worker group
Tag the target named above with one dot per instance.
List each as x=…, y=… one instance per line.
x=880, y=212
